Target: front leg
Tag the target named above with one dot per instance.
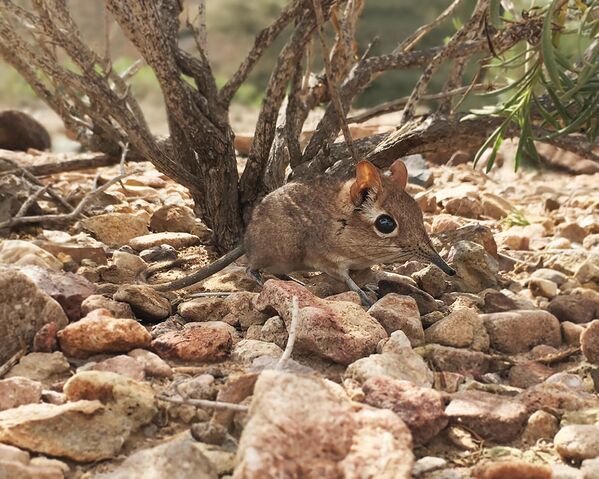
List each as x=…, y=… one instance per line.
x=366, y=301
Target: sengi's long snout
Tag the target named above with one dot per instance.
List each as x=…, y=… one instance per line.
x=440, y=262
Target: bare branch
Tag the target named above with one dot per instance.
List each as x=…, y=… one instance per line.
x=60, y=201
x=85, y=201
x=473, y=25
x=367, y=68
x=410, y=42
x=335, y=100
x=263, y=40
x=251, y=183
x=396, y=105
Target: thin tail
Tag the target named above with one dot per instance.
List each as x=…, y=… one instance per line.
x=203, y=273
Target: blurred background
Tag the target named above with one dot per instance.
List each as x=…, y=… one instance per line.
x=232, y=26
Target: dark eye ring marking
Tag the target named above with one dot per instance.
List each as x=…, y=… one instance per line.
x=385, y=224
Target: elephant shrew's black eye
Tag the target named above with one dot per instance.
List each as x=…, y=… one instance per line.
x=385, y=224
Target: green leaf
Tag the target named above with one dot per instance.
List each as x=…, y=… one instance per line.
x=547, y=47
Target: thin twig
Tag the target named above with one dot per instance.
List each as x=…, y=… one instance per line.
x=333, y=92
x=204, y=403
x=31, y=178
x=396, y=105
x=32, y=199
x=415, y=37
x=85, y=201
x=14, y=359
x=132, y=69
x=292, y=334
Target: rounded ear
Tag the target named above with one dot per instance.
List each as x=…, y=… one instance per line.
x=399, y=173
x=368, y=178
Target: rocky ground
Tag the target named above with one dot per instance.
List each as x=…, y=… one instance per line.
x=491, y=374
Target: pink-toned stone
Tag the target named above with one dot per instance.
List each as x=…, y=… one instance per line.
x=528, y=374
x=25, y=309
x=97, y=301
x=491, y=416
x=207, y=341
x=421, y=408
x=45, y=340
x=100, y=332
x=153, y=364
x=339, y=331
x=397, y=312
x=123, y=365
x=303, y=426
x=520, y=331
x=17, y=391
x=68, y=289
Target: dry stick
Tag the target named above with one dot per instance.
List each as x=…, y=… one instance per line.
x=292, y=335
x=204, y=403
x=51, y=192
x=395, y=105
x=263, y=40
x=14, y=359
x=62, y=217
x=32, y=199
x=335, y=99
x=462, y=34
x=415, y=37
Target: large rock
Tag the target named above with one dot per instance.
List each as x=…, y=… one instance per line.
x=396, y=312
x=492, y=417
x=80, y=430
x=104, y=409
x=549, y=396
x=17, y=391
x=589, y=342
x=68, y=289
x=476, y=268
x=475, y=233
x=20, y=132
x=578, y=442
x=97, y=301
x=173, y=218
x=121, y=364
x=588, y=271
x=180, y=458
x=24, y=310
x=209, y=341
x=462, y=328
x=403, y=364
x=421, y=408
x=153, y=364
x=303, y=426
x=457, y=360
x=336, y=330
x=132, y=400
x=116, y=229
x=520, y=331
x=145, y=301
x=573, y=308
x=23, y=253
x=41, y=366
x=100, y=332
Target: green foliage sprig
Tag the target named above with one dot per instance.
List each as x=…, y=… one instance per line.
x=556, y=92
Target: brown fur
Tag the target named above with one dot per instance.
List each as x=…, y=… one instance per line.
x=327, y=224
x=19, y=132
